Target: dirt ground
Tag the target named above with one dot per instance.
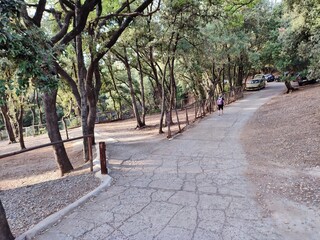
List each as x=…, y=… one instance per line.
x=282, y=145
x=281, y=142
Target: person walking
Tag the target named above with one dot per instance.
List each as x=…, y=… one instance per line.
x=220, y=103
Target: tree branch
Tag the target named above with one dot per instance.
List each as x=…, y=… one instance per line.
x=64, y=3
x=39, y=12
x=69, y=81
x=64, y=28
x=132, y=14
x=86, y=8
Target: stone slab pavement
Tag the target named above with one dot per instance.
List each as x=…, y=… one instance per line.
x=191, y=187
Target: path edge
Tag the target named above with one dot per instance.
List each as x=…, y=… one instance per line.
x=55, y=217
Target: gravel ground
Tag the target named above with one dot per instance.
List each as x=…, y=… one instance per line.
x=26, y=206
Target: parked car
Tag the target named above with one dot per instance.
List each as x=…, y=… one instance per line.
x=269, y=77
x=255, y=84
x=259, y=76
x=305, y=80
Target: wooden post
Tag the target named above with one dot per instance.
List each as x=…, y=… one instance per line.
x=103, y=159
x=90, y=153
x=187, y=118
x=168, y=116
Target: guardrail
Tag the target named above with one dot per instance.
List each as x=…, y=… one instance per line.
x=89, y=137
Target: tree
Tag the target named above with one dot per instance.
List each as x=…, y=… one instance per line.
x=32, y=64
x=100, y=42
x=5, y=111
x=5, y=232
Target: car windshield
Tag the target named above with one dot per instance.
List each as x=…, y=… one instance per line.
x=255, y=81
x=259, y=76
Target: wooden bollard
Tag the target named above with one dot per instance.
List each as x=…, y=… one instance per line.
x=103, y=159
x=90, y=153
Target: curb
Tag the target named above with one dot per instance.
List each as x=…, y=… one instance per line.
x=55, y=217
x=47, y=222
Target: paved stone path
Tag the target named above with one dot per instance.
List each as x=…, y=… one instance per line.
x=192, y=187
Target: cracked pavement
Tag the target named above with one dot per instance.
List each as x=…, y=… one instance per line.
x=191, y=187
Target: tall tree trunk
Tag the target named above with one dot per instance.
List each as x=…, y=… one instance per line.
x=229, y=72
x=93, y=92
x=5, y=233
x=19, y=119
x=54, y=133
x=65, y=125
x=171, y=100
x=82, y=83
x=39, y=108
x=132, y=91
x=143, y=100
x=33, y=111
x=172, y=78
x=6, y=119
x=240, y=70
x=163, y=100
x=116, y=89
x=158, y=86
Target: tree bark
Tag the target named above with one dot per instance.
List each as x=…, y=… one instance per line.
x=124, y=59
x=33, y=111
x=82, y=82
x=240, y=70
x=163, y=100
x=133, y=97
x=5, y=232
x=40, y=110
x=19, y=119
x=120, y=114
x=289, y=86
x=6, y=119
x=54, y=133
x=93, y=92
x=143, y=101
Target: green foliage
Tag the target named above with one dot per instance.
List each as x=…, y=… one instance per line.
x=27, y=48
x=213, y=37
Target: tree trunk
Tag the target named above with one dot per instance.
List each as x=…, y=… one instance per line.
x=19, y=119
x=143, y=101
x=229, y=73
x=39, y=108
x=33, y=111
x=132, y=91
x=93, y=91
x=5, y=233
x=54, y=133
x=163, y=100
x=172, y=96
x=120, y=114
x=6, y=120
x=240, y=70
x=65, y=126
x=289, y=86
x=158, y=86
x=82, y=83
